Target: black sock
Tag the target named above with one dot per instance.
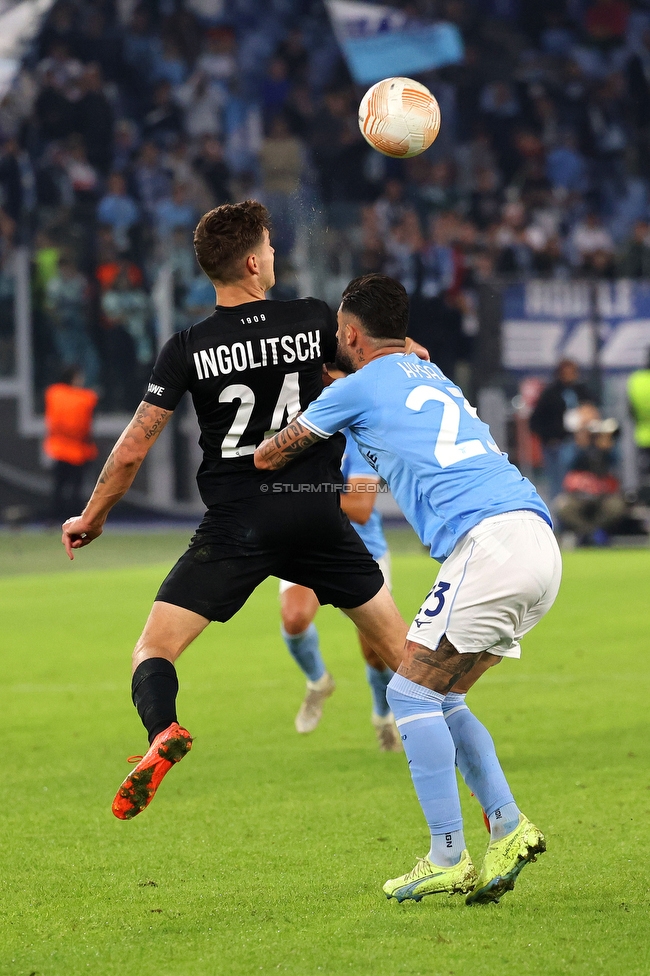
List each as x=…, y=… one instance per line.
x=153, y=689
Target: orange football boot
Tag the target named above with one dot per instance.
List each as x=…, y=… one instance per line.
x=139, y=788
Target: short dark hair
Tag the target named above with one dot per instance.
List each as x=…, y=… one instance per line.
x=381, y=305
x=228, y=234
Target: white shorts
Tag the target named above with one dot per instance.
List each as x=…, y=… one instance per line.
x=383, y=562
x=495, y=586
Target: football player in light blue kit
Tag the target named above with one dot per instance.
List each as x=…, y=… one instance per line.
x=299, y=606
x=500, y=574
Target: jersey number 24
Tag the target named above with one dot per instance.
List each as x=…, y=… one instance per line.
x=288, y=405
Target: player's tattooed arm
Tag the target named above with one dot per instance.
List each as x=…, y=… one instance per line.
x=275, y=452
x=117, y=475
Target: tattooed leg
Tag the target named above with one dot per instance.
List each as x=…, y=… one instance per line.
x=438, y=670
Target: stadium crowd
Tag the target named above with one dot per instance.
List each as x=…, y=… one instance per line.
x=128, y=120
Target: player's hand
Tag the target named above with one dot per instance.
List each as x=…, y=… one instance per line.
x=420, y=351
x=79, y=532
x=331, y=373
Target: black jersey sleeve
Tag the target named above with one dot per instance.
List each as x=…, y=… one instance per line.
x=170, y=375
x=329, y=334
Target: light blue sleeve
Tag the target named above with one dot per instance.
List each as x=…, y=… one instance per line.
x=354, y=463
x=340, y=405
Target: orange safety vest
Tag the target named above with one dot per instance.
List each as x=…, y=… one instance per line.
x=68, y=419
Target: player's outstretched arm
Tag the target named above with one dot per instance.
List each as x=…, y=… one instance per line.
x=275, y=452
x=117, y=476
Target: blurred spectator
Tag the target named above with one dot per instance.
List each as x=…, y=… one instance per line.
x=199, y=301
x=634, y=259
x=83, y=176
x=275, y=87
x=173, y=213
x=53, y=110
x=485, y=201
x=588, y=238
x=61, y=28
x=218, y=60
x=514, y=255
x=53, y=184
x=93, y=119
x=638, y=391
x=609, y=134
x=391, y=205
x=60, y=66
x=547, y=421
x=142, y=47
x=124, y=145
x=591, y=503
x=295, y=55
x=212, y=167
x=566, y=167
x=203, y=104
x=127, y=313
x=46, y=261
x=171, y=67
x=69, y=409
x=119, y=210
x=16, y=180
x=164, y=120
x=299, y=111
x=433, y=188
x=179, y=162
x=151, y=180
x=281, y=162
x=66, y=303
x=117, y=265
x=100, y=43
x=329, y=136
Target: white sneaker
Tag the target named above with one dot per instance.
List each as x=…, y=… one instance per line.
x=311, y=710
x=388, y=735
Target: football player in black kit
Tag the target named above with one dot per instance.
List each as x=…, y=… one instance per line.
x=250, y=368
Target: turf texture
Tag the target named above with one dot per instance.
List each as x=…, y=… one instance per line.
x=265, y=851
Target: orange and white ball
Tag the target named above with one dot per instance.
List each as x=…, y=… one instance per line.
x=399, y=117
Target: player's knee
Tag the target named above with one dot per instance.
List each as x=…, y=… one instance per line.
x=144, y=650
x=295, y=620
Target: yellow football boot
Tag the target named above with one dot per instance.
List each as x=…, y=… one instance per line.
x=503, y=861
x=427, y=878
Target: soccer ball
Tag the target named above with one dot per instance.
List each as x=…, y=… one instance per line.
x=399, y=117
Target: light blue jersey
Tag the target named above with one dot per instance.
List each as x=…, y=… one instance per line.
x=420, y=434
x=354, y=465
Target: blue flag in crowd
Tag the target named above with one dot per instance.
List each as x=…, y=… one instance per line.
x=379, y=42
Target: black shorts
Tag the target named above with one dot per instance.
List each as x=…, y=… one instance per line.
x=297, y=537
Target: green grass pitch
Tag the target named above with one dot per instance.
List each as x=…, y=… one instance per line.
x=265, y=852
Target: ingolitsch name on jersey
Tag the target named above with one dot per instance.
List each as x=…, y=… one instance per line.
x=256, y=353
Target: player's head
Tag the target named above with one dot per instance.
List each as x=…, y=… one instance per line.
x=375, y=306
x=232, y=244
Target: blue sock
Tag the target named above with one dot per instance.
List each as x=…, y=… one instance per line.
x=430, y=751
x=304, y=649
x=378, y=681
x=477, y=761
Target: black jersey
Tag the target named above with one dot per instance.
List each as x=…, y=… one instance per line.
x=250, y=369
